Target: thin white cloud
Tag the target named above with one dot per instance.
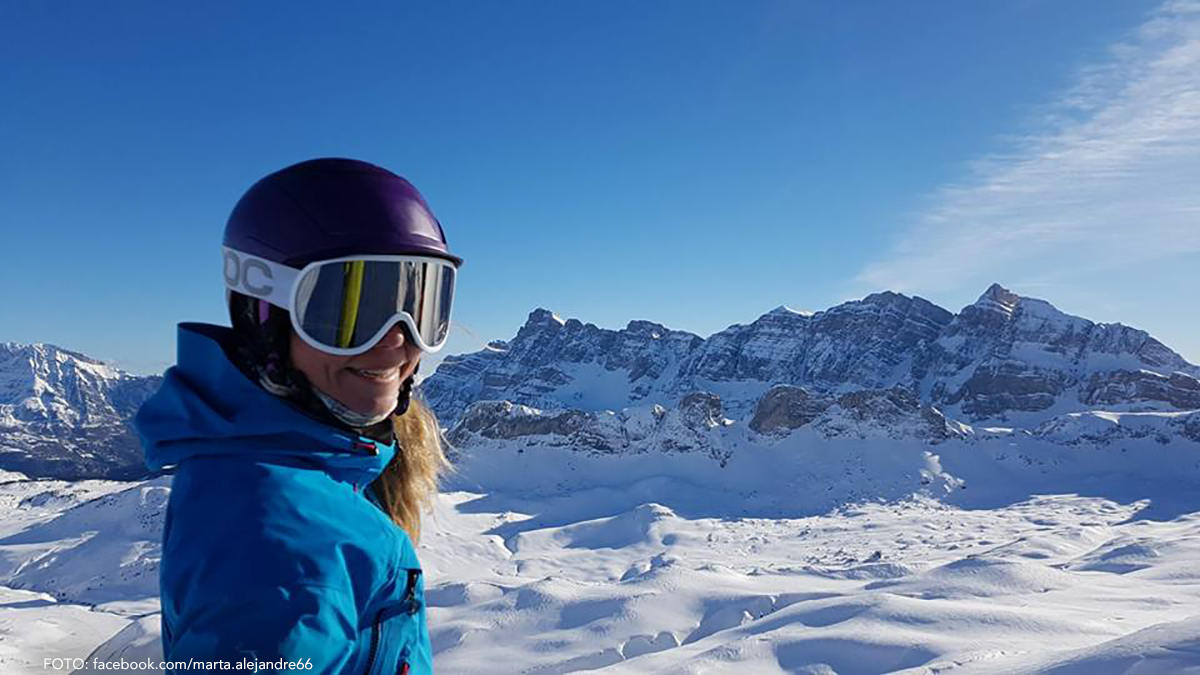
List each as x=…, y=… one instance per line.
x=1109, y=180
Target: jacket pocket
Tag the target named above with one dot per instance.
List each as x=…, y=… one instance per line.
x=395, y=630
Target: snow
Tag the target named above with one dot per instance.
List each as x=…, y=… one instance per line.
x=591, y=387
x=1101, y=427
x=866, y=589
x=34, y=627
x=789, y=310
x=1006, y=552
x=1044, y=316
x=71, y=528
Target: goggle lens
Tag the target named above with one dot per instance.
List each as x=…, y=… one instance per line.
x=349, y=305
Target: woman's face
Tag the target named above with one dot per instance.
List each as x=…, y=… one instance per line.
x=367, y=383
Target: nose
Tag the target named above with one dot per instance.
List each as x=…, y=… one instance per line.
x=396, y=337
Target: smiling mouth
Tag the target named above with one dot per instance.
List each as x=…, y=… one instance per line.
x=384, y=375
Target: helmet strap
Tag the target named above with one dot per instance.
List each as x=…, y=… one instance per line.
x=405, y=395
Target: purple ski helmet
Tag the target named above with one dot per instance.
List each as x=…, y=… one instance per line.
x=328, y=208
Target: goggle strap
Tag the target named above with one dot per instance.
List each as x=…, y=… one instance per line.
x=259, y=278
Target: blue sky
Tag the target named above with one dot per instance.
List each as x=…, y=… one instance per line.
x=695, y=163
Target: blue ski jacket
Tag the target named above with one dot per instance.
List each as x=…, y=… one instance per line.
x=273, y=548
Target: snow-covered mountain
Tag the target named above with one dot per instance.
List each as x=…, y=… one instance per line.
x=885, y=365
x=1009, y=356
x=65, y=415
x=880, y=487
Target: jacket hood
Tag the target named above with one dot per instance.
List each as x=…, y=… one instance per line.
x=208, y=407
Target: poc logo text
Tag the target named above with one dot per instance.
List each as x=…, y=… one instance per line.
x=238, y=274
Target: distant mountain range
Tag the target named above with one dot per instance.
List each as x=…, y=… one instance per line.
x=65, y=415
x=888, y=365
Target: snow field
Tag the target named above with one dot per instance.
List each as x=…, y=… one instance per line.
x=995, y=555
x=874, y=588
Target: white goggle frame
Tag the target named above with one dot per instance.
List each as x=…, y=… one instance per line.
x=280, y=285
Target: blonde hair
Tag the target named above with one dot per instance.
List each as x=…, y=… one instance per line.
x=409, y=483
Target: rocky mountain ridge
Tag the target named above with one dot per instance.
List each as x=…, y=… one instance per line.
x=887, y=365
x=66, y=415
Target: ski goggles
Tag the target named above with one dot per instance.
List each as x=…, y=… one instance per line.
x=345, y=306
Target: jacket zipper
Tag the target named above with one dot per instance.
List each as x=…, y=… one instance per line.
x=374, y=641
x=411, y=606
x=410, y=593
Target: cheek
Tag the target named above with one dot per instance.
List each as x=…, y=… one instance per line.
x=318, y=367
x=298, y=355
x=414, y=360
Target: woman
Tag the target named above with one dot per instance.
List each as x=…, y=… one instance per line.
x=302, y=465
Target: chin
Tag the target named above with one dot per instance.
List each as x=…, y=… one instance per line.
x=383, y=407
x=374, y=402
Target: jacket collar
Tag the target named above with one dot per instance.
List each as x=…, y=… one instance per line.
x=207, y=406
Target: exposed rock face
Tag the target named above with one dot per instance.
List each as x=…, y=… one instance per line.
x=503, y=420
x=692, y=427
x=1122, y=386
x=785, y=407
x=64, y=415
x=695, y=426
x=894, y=412
x=996, y=388
x=1003, y=355
x=701, y=410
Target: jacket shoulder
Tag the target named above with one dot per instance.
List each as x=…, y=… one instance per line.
x=257, y=524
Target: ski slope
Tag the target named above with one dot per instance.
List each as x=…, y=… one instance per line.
x=856, y=556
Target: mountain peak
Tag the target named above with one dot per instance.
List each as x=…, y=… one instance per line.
x=788, y=311
x=39, y=354
x=998, y=293
x=884, y=297
x=543, y=317
x=643, y=327
x=1000, y=299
